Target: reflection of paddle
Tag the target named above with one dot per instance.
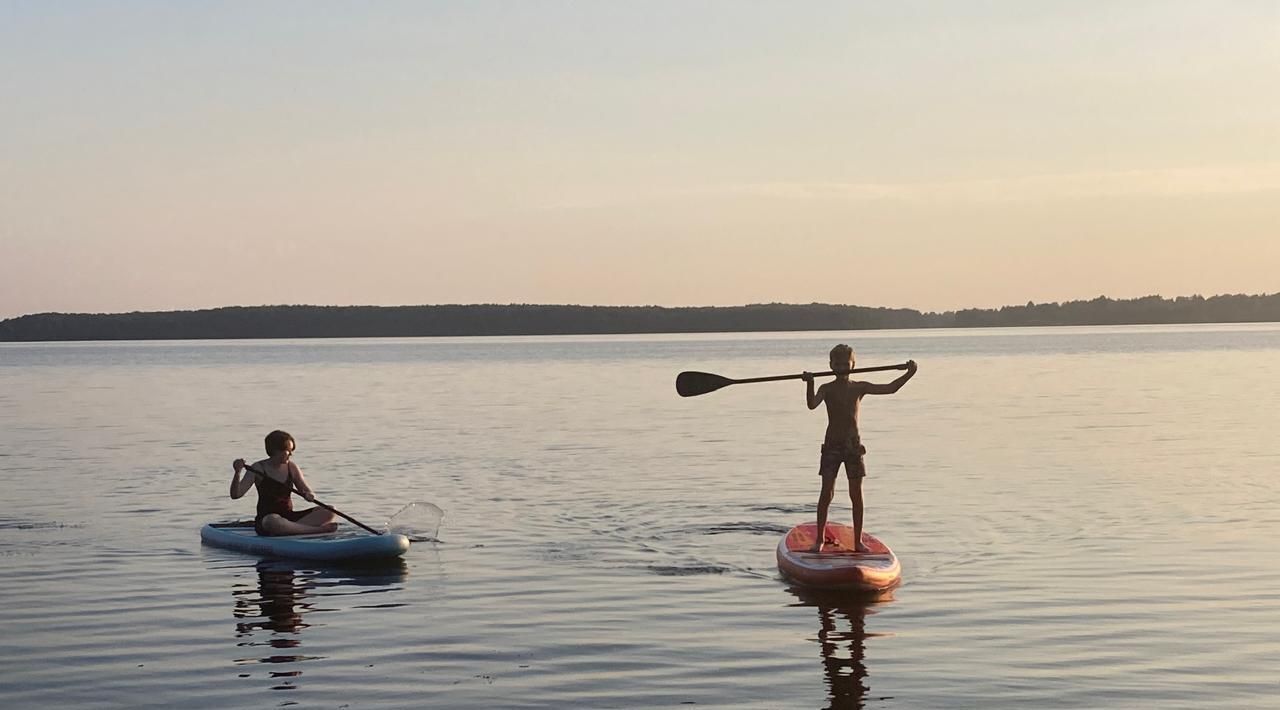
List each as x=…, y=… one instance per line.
x=329, y=508
x=692, y=384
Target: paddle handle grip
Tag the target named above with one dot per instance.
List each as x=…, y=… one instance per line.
x=776, y=378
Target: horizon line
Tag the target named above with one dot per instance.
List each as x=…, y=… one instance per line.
x=1100, y=297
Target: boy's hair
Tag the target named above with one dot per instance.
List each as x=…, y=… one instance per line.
x=842, y=351
x=277, y=440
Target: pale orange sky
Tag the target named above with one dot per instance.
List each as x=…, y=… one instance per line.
x=928, y=155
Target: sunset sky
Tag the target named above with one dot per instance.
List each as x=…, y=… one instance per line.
x=942, y=155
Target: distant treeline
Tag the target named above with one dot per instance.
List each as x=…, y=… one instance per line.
x=524, y=319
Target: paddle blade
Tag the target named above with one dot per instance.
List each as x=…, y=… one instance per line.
x=691, y=384
x=420, y=522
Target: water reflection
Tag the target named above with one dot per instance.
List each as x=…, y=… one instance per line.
x=271, y=616
x=841, y=639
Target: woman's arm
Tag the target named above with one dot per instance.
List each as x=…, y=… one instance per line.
x=300, y=483
x=240, y=486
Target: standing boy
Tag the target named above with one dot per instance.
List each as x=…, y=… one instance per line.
x=842, y=443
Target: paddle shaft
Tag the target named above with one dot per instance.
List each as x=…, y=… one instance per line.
x=692, y=384
x=329, y=508
x=776, y=378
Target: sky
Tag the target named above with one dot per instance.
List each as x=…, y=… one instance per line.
x=928, y=155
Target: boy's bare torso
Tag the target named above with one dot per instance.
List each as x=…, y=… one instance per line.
x=843, y=398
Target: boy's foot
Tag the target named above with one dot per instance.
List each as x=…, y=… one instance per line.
x=861, y=548
x=817, y=547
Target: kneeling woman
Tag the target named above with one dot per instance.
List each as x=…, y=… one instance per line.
x=276, y=478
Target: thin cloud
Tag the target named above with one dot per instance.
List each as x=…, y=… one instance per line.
x=1182, y=182
x=1176, y=182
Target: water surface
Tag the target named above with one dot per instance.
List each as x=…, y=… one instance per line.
x=1086, y=518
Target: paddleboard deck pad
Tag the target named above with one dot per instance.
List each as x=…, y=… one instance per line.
x=838, y=566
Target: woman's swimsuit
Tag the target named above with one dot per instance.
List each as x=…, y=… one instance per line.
x=275, y=497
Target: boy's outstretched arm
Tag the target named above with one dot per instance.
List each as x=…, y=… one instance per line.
x=810, y=398
x=894, y=386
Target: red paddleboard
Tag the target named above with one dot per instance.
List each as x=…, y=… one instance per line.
x=837, y=566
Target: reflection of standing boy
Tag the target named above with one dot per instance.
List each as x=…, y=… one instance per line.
x=842, y=443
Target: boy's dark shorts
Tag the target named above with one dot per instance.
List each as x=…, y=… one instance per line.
x=850, y=454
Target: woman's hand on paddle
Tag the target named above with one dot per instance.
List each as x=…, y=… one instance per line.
x=237, y=465
x=807, y=377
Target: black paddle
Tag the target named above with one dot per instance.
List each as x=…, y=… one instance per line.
x=692, y=384
x=329, y=508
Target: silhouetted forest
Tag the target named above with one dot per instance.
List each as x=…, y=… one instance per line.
x=525, y=319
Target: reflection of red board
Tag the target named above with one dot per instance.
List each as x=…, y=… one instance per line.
x=837, y=566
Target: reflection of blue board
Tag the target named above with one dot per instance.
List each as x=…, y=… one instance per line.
x=331, y=546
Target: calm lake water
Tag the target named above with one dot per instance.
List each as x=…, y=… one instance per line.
x=1087, y=518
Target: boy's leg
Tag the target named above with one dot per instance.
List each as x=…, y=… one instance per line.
x=855, y=497
x=857, y=471
x=824, y=500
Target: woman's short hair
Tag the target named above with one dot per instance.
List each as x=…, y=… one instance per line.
x=278, y=440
